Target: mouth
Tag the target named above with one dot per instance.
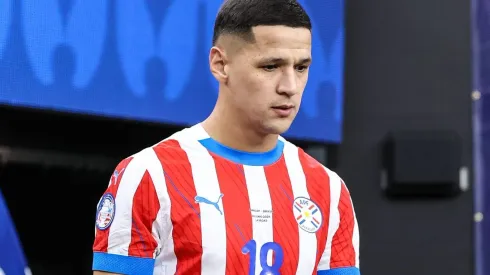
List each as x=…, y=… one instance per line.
x=284, y=110
x=283, y=107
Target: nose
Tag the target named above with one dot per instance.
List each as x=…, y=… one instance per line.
x=288, y=84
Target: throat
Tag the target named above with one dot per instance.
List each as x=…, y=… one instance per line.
x=235, y=136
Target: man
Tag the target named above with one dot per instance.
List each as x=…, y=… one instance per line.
x=229, y=195
x=12, y=261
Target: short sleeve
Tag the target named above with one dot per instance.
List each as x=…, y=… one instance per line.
x=342, y=251
x=126, y=240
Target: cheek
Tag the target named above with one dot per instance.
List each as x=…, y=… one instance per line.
x=301, y=91
x=250, y=86
x=253, y=91
x=252, y=102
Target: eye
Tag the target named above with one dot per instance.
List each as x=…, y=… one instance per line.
x=301, y=68
x=269, y=68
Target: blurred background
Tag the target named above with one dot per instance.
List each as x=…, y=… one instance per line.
x=397, y=103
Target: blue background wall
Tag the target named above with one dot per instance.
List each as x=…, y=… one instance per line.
x=146, y=60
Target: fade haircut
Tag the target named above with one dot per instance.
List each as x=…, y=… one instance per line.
x=238, y=17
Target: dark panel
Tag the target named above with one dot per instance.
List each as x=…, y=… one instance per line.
x=408, y=68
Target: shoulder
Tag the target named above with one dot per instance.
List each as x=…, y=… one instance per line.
x=311, y=166
x=152, y=157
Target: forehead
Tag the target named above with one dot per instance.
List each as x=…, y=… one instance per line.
x=281, y=42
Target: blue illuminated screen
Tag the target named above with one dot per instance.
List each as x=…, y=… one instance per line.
x=147, y=60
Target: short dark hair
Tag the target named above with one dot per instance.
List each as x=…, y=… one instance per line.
x=238, y=17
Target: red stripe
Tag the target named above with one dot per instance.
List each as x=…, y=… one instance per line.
x=343, y=253
x=318, y=184
x=184, y=212
x=285, y=225
x=102, y=236
x=145, y=210
x=238, y=217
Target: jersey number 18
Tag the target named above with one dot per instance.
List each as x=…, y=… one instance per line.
x=251, y=248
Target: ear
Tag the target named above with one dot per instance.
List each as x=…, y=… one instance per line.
x=218, y=64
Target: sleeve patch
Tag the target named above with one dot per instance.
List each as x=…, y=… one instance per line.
x=105, y=212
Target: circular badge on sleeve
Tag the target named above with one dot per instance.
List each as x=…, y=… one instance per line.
x=105, y=212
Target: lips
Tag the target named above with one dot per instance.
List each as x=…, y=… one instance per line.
x=283, y=110
x=283, y=107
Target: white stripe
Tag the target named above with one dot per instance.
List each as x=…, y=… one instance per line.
x=120, y=230
x=334, y=221
x=261, y=207
x=166, y=261
x=355, y=237
x=307, y=241
x=213, y=227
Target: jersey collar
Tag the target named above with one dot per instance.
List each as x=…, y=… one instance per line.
x=237, y=156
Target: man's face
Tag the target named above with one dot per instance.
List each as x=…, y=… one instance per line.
x=267, y=78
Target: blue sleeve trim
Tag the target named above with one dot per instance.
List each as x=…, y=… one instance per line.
x=122, y=264
x=340, y=271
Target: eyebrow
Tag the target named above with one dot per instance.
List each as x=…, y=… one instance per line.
x=279, y=60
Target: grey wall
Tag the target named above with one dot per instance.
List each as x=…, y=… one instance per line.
x=408, y=67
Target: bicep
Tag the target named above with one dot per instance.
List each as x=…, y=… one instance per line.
x=126, y=240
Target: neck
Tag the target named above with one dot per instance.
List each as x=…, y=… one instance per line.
x=225, y=126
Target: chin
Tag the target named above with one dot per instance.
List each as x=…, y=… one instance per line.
x=277, y=128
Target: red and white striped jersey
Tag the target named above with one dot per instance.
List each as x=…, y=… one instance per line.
x=189, y=205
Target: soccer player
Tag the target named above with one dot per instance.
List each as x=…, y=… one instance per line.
x=230, y=195
x=12, y=260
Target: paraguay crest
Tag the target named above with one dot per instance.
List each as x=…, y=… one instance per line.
x=308, y=215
